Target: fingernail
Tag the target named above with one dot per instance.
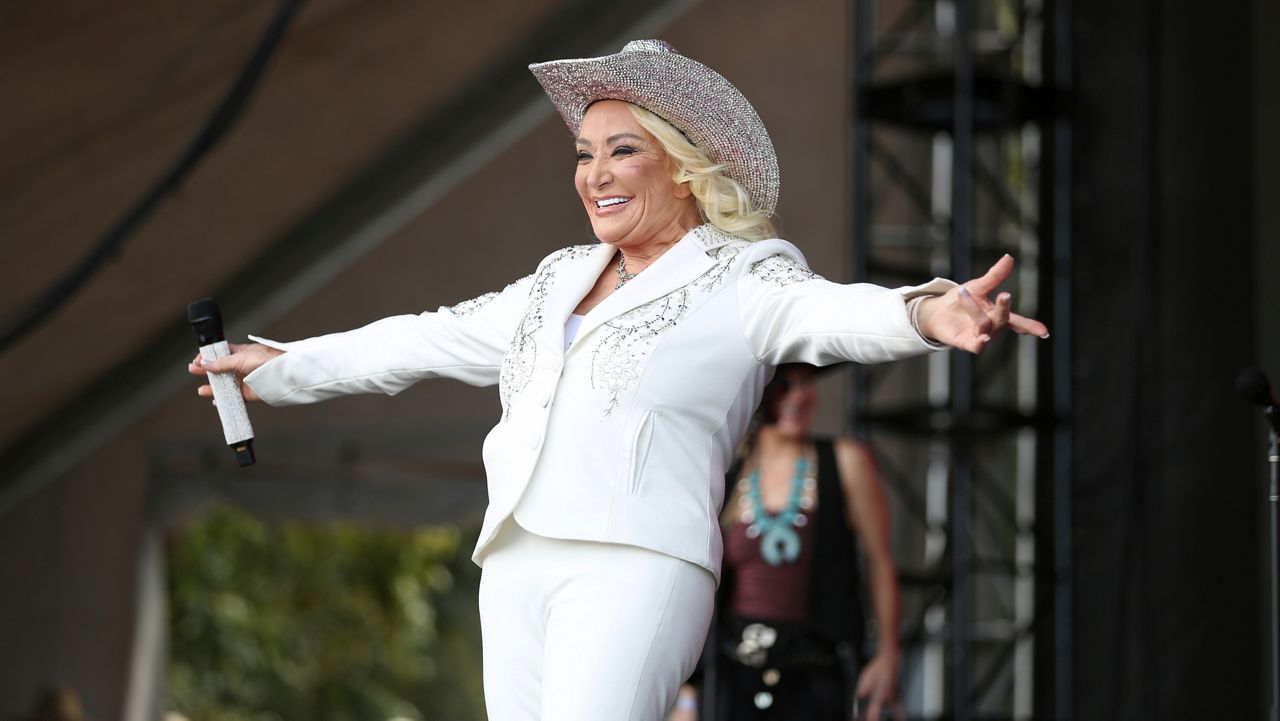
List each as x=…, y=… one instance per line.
x=1045, y=336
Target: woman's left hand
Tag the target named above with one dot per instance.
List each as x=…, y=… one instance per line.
x=877, y=689
x=966, y=317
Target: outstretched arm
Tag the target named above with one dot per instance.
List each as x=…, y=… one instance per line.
x=465, y=342
x=790, y=314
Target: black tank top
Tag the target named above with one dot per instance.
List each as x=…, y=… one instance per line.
x=835, y=605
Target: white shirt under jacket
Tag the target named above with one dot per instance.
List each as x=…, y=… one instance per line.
x=625, y=436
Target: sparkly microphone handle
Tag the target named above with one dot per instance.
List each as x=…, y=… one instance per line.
x=206, y=320
x=226, y=391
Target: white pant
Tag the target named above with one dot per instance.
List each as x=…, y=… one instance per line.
x=582, y=631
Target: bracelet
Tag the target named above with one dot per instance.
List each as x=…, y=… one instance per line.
x=687, y=703
x=913, y=313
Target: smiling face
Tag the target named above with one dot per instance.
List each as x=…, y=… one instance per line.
x=625, y=180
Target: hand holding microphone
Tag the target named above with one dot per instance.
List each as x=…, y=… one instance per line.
x=244, y=359
x=225, y=366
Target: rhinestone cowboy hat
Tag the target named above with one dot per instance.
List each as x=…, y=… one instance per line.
x=697, y=100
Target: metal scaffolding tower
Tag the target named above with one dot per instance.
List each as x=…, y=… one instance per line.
x=960, y=154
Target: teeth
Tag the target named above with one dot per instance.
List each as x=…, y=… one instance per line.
x=610, y=201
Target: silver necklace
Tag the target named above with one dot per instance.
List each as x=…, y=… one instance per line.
x=623, y=275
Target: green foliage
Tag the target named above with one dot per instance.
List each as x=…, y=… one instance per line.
x=285, y=621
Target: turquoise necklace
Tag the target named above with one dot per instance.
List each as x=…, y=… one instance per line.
x=779, y=541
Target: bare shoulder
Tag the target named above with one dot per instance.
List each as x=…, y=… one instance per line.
x=858, y=468
x=860, y=479
x=854, y=455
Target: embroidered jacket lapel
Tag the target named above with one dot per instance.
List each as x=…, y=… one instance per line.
x=676, y=268
x=574, y=279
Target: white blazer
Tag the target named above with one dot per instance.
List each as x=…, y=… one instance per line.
x=624, y=437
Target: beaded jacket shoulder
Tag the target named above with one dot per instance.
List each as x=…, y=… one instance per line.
x=567, y=253
x=776, y=262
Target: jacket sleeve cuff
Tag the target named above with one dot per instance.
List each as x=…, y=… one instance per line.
x=277, y=345
x=269, y=380
x=913, y=313
x=914, y=295
x=937, y=286
x=264, y=380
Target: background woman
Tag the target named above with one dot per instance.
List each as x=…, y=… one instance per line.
x=627, y=370
x=790, y=637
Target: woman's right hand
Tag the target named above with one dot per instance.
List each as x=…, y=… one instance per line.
x=967, y=318
x=244, y=359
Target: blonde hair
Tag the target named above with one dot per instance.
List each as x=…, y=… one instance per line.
x=722, y=201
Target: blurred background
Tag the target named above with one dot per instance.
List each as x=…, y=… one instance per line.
x=1080, y=523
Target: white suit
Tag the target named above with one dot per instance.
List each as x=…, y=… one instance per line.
x=620, y=441
x=625, y=437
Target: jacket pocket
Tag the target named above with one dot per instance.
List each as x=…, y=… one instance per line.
x=640, y=440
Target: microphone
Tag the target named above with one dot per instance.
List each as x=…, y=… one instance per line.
x=206, y=321
x=1255, y=388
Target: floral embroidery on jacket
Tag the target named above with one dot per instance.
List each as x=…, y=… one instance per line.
x=522, y=355
x=616, y=360
x=782, y=271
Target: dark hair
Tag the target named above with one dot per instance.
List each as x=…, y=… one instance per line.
x=767, y=413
